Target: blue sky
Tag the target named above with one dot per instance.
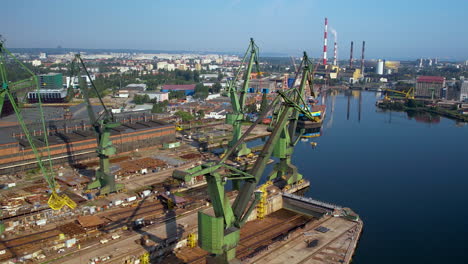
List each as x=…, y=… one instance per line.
x=392, y=29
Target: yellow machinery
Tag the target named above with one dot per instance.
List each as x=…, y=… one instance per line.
x=408, y=94
x=261, y=210
x=145, y=258
x=192, y=240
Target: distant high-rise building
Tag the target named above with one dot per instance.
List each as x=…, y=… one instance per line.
x=429, y=87
x=42, y=56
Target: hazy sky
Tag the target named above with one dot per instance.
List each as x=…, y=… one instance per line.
x=391, y=28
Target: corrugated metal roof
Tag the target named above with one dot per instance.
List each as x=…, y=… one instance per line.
x=431, y=79
x=178, y=87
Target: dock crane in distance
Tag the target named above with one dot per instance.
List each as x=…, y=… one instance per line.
x=220, y=234
x=408, y=94
x=8, y=89
x=284, y=147
x=102, y=126
x=238, y=98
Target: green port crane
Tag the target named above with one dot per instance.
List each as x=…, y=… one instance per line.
x=238, y=98
x=284, y=170
x=102, y=126
x=11, y=90
x=220, y=234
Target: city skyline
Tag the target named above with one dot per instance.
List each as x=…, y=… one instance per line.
x=392, y=30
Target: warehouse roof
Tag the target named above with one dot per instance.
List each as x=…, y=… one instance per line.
x=430, y=79
x=178, y=87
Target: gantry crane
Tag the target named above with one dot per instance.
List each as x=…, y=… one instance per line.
x=102, y=125
x=238, y=98
x=220, y=234
x=408, y=94
x=11, y=90
x=284, y=147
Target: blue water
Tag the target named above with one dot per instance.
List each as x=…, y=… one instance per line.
x=407, y=180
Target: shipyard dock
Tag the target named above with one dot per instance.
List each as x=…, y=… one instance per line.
x=295, y=230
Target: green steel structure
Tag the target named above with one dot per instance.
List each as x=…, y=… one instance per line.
x=238, y=98
x=12, y=90
x=102, y=126
x=219, y=234
x=284, y=147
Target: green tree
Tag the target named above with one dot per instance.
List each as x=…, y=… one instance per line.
x=196, y=76
x=176, y=95
x=141, y=99
x=216, y=88
x=185, y=116
x=160, y=107
x=201, y=114
x=201, y=91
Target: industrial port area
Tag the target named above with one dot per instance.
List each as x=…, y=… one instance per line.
x=139, y=157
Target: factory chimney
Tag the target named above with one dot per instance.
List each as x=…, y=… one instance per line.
x=335, y=54
x=351, y=56
x=325, y=43
x=362, y=57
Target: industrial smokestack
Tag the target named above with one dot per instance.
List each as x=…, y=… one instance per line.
x=325, y=43
x=362, y=57
x=335, y=45
x=351, y=56
x=335, y=54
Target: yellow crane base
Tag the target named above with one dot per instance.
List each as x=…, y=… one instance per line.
x=57, y=202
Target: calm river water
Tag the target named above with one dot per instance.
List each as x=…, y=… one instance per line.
x=406, y=177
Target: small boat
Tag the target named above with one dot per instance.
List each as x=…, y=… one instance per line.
x=311, y=135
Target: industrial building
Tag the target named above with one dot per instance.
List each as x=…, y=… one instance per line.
x=463, y=91
x=158, y=96
x=263, y=85
x=51, y=89
x=136, y=87
x=429, y=87
x=189, y=89
x=50, y=81
x=380, y=67
x=74, y=142
x=48, y=96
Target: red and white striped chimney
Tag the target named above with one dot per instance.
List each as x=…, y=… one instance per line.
x=325, y=43
x=335, y=54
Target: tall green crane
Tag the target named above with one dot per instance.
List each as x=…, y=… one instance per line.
x=220, y=234
x=284, y=147
x=102, y=126
x=238, y=98
x=11, y=90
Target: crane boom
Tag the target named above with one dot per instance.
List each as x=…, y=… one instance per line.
x=228, y=219
x=238, y=98
x=56, y=201
x=408, y=94
x=102, y=126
